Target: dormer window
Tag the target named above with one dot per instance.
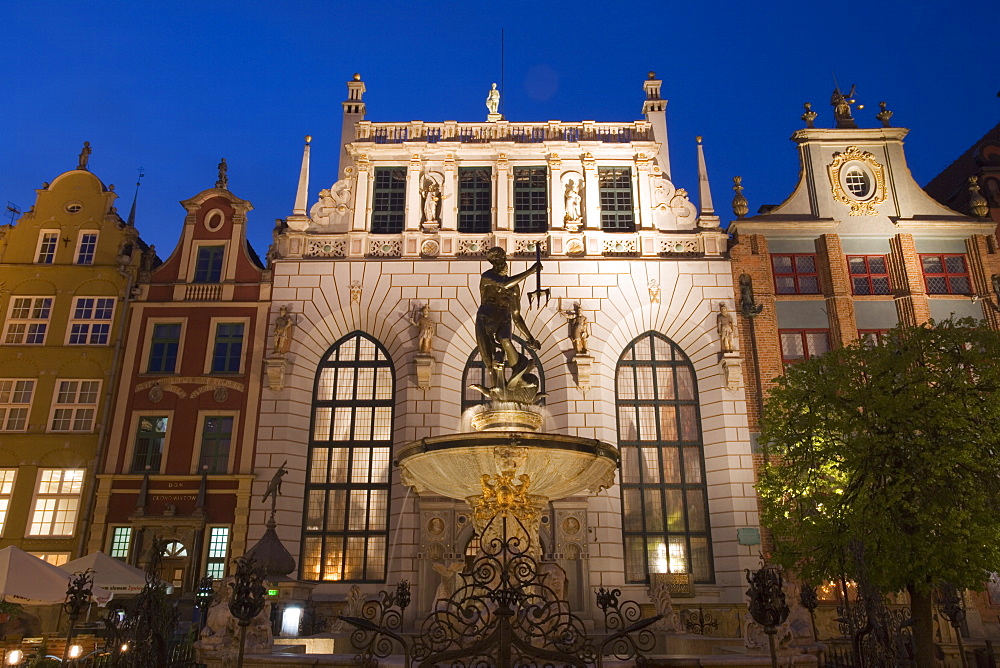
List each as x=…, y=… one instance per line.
x=208, y=267
x=858, y=182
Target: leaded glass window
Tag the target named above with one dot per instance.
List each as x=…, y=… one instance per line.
x=346, y=517
x=388, y=200
x=616, y=199
x=531, y=201
x=475, y=200
x=664, y=501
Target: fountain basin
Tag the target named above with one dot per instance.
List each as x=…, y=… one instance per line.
x=557, y=466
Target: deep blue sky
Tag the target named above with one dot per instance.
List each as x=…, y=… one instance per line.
x=174, y=86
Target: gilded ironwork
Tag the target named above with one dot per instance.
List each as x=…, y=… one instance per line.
x=740, y=205
x=505, y=495
x=860, y=206
x=700, y=624
x=767, y=602
x=502, y=614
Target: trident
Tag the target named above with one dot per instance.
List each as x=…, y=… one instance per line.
x=536, y=294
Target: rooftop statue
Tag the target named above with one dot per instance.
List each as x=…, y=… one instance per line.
x=493, y=100
x=499, y=312
x=842, y=107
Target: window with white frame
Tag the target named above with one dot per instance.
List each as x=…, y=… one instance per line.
x=6, y=491
x=150, y=436
x=86, y=248
x=47, y=248
x=218, y=551
x=15, y=402
x=28, y=320
x=91, y=321
x=75, y=405
x=56, y=502
x=121, y=543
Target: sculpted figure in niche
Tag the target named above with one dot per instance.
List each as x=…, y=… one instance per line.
x=283, y=326
x=493, y=100
x=573, y=213
x=421, y=319
x=579, y=327
x=432, y=196
x=499, y=309
x=727, y=328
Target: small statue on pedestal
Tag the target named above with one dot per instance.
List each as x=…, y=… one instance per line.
x=421, y=319
x=727, y=328
x=579, y=327
x=493, y=101
x=283, y=326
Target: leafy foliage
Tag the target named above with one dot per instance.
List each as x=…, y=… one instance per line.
x=895, y=445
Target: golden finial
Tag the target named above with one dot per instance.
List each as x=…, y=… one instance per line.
x=740, y=204
x=698, y=139
x=357, y=77
x=652, y=75
x=810, y=116
x=977, y=203
x=309, y=138
x=883, y=115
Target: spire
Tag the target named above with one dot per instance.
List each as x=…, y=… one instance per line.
x=354, y=111
x=707, y=217
x=704, y=192
x=135, y=198
x=654, y=108
x=302, y=194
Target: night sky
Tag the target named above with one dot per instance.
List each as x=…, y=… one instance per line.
x=174, y=86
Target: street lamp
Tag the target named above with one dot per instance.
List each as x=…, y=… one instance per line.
x=14, y=657
x=203, y=598
x=81, y=586
x=248, y=597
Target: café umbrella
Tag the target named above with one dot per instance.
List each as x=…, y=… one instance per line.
x=111, y=574
x=28, y=580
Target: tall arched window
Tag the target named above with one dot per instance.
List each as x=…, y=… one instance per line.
x=475, y=372
x=664, y=502
x=345, y=529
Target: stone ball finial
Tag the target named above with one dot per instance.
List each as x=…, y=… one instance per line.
x=652, y=74
x=357, y=77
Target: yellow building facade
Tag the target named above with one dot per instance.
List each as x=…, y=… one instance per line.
x=67, y=269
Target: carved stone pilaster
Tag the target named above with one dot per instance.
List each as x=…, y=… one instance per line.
x=584, y=369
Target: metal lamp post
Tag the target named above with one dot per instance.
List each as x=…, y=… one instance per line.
x=950, y=605
x=81, y=586
x=767, y=603
x=248, y=597
x=203, y=599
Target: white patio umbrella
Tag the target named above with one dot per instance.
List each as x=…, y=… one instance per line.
x=28, y=580
x=111, y=574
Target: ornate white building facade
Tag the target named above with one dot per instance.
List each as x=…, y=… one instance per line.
x=406, y=226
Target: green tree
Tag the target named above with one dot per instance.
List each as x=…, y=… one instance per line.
x=894, y=445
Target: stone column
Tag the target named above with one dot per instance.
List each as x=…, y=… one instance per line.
x=835, y=283
x=557, y=201
x=414, y=210
x=362, y=194
x=907, y=279
x=503, y=211
x=643, y=197
x=591, y=194
x=449, y=195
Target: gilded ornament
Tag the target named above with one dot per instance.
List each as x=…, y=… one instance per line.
x=876, y=194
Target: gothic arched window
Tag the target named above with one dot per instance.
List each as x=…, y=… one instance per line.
x=664, y=501
x=475, y=373
x=345, y=528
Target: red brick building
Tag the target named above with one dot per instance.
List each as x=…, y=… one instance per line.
x=179, y=462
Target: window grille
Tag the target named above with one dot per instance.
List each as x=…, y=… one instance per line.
x=388, y=200
x=665, y=519
x=616, y=199
x=531, y=199
x=475, y=200
x=346, y=518
x=795, y=274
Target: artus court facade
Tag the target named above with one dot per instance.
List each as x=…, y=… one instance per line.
x=380, y=278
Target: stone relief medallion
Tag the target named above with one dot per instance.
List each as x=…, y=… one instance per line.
x=435, y=527
x=430, y=248
x=156, y=393
x=220, y=394
x=574, y=247
x=857, y=180
x=571, y=526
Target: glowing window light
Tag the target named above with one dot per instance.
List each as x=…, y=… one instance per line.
x=290, y=619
